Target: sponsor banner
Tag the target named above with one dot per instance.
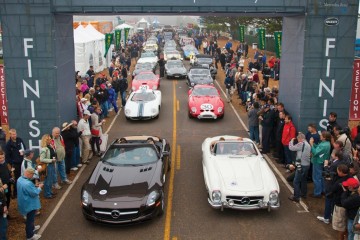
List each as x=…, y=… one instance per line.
x=261, y=40
x=108, y=41
x=3, y=98
x=278, y=38
x=242, y=33
x=117, y=39
x=354, y=113
x=126, y=34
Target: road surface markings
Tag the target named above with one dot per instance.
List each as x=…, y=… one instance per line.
x=167, y=227
x=178, y=159
x=174, y=238
x=177, y=105
x=266, y=157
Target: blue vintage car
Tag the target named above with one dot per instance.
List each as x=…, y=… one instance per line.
x=188, y=49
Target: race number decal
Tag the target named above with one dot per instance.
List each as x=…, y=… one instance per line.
x=206, y=107
x=143, y=87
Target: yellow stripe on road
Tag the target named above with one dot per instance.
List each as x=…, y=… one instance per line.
x=177, y=105
x=167, y=229
x=178, y=159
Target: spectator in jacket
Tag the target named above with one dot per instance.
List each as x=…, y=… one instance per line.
x=320, y=152
x=267, y=121
x=331, y=122
x=279, y=153
x=123, y=86
x=112, y=97
x=253, y=121
x=3, y=209
x=229, y=83
x=14, y=155
x=302, y=164
x=59, y=146
x=2, y=139
x=29, y=202
x=96, y=127
x=68, y=138
x=288, y=134
x=84, y=130
x=48, y=156
x=350, y=200
x=340, y=135
x=75, y=160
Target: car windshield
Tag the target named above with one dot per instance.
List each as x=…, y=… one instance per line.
x=189, y=48
x=143, y=66
x=243, y=149
x=130, y=155
x=200, y=72
x=174, y=64
x=206, y=91
x=204, y=60
x=143, y=96
x=147, y=54
x=145, y=76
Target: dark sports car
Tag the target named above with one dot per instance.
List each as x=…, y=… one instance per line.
x=127, y=184
x=175, y=69
x=199, y=75
x=205, y=60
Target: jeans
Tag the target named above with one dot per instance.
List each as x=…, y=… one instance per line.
x=104, y=108
x=29, y=227
x=329, y=207
x=350, y=230
x=49, y=179
x=123, y=98
x=75, y=157
x=300, y=182
x=61, y=169
x=254, y=133
x=3, y=228
x=114, y=104
x=318, y=179
x=288, y=155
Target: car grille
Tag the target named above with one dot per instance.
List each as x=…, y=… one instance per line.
x=116, y=214
x=245, y=200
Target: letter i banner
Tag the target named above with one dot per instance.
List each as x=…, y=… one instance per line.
x=242, y=33
x=278, y=38
x=108, y=41
x=126, y=34
x=261, y=35
x=117, y=39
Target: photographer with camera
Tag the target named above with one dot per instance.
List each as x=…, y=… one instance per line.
x=342, y=136
x=302, y=165
x=350, y=200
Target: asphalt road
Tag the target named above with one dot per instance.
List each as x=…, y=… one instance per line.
x=188, y=215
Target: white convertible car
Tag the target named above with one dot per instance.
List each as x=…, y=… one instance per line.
x=237, y=176
x=143, y=104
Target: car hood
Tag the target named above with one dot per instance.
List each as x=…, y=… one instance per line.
x=198, y=101
x=176, y=70
x=140, y=108
x=201, y=79
x=240, y=174
x=121, y=183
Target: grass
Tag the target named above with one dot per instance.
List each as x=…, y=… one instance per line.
x=1, y=61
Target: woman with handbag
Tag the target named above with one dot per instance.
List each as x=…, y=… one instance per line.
x=48, y=156
x=96, y=130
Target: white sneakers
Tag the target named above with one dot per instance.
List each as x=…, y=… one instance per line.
x=74, y=169
x=322, y=219
x=37, y=227
x=35, y=237
x=79, y=165
x=67, y=181
x=57, y=186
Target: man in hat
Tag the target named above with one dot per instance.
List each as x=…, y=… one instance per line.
x=29, y=202
x=84, y=129
x=68, y=137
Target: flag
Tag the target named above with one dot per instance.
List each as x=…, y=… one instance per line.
x=278, y=38
x=261, y=41
x=126, y=34
x=242, y=33
x=108, y=41
x=117, y=39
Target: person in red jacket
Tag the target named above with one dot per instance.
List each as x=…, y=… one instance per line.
x=288, y=134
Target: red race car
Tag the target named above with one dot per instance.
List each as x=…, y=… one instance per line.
x=205, y=102
x=145, y=80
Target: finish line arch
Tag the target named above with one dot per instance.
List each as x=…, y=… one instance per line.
x=316, y=63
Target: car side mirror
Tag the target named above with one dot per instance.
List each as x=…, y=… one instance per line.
x=166, y=153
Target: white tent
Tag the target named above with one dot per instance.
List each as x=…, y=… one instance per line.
x=124, y=25
x=89, y=47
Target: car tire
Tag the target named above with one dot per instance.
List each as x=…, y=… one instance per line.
x=162, y=209
x=189, y=115
x=127, y=118
x=222, y=116
x=157, y=116
x=169, y=164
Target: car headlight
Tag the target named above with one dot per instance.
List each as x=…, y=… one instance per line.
x=133, y=88
x=154, y=87
x=153, y=196
x=127, y=111
x=274, y=197
x=220, y=109
x=193, y=109
x=216, y=196
x=192, y=84
x=85, y=198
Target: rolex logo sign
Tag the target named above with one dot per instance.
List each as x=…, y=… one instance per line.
x=331, y=21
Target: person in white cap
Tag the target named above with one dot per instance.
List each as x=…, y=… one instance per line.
x=82, y=106
x=84, y=128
